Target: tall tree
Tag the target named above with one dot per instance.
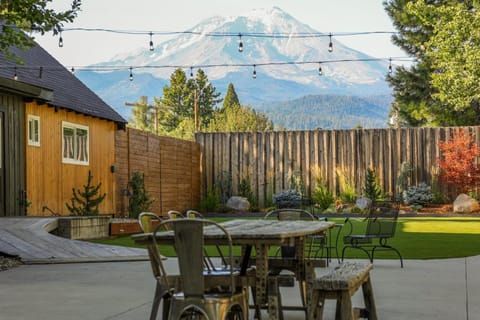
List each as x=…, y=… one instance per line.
x=418, y=99
x=454, y=51
x=237, y=118
x=179, y=99
x=19, y=16
x=143, y=115
x=231, y=97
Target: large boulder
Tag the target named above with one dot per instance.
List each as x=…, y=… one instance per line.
x=363, y=203
x=238, y=203
x=465, y=204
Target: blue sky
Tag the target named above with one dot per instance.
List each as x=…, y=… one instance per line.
x=84, y=48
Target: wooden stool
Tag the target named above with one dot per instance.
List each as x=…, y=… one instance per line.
x=341, y=284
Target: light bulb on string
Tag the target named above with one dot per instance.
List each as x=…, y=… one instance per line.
x=240, y=44
x=40, y=72
x=390, y=69
x=254, y=74
x=72, y=70
x=151, y=42
x=191, y=72
x=15, y=76
x=330, y=44
x=320, y=71
x=131, y=74
x=60, y=40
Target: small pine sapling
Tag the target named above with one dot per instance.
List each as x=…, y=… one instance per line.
x=85, y=202
x=372, y=190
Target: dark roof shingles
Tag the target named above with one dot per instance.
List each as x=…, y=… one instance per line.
x=68, y=91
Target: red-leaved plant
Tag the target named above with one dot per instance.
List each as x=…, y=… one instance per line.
x=458, y=163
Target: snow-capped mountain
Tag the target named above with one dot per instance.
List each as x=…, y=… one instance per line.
x=223, y=63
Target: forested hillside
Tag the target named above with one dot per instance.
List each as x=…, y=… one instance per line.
x=329, y=112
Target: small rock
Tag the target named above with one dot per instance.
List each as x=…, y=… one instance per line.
x=465, y=204
x=238, y=203
x=363, y=203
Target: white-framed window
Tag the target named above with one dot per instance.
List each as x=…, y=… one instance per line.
x=33, y=130
x=75, y=145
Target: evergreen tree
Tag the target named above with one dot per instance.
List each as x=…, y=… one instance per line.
x=179, y=101
x=419, y=98
x=143, y=115
x=85, y=202
x=231, y=98
x=237, y=118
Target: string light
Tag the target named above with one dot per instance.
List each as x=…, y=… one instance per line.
x=60, y=40
x=254, y=74
x=72, y=70
x=390, y=69
x=330, y=44
x=320, y=72
x=40, y=72
x=240, y=44
x=131, y=74
x=151, y=42
x=191, y=72
x=15, y=76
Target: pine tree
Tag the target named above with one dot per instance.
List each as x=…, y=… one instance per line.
x=372, y=190
x=85, y=202
x=231, y=98
x=419, y=100
x=139, y=200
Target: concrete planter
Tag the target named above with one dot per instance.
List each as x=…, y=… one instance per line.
x=91, y=227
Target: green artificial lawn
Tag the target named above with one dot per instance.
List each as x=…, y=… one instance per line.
x=416, y=238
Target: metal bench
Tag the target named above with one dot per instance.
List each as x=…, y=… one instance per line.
x=381, y=224
x=340, y=284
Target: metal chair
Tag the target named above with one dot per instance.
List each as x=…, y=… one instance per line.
x=174, y=214
x=194, y=301
x=164, y=287
x=289, y=214
x=381, y=225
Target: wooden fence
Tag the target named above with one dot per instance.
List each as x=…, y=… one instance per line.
x=171, y=169
x=268, y=160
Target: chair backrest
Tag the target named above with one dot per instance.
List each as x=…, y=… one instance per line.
x=174, y=214
x=149, y=222
x=290, y=214
x=383, y=220
x=189, y=246
x=192, y=214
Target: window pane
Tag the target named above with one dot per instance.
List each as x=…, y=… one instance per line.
x=82, y=145
x=68, y=149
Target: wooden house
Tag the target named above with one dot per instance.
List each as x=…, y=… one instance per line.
x=53, y=131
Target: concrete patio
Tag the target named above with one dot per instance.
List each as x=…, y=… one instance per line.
x=424, y=289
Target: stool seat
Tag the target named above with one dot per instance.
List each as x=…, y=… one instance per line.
x=340, y=284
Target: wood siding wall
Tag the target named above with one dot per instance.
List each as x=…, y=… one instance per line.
x=268, y=160
x=171, y=169
x=49, y=181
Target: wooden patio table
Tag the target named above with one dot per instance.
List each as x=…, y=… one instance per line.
x=261, y=235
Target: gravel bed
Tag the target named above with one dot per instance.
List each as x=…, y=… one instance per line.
x=8, y=262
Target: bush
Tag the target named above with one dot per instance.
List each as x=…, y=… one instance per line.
x=418, y=195
x=211, y=201
x=322, y=196
x=348, y=193
x=139, y=200
x=287, y=199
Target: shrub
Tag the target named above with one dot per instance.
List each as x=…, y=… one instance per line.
x=322, y=196
x=287, y=199
x=245, y=190
x=211, y=201
x=139, y=200
x=85, y=202
x=372, y=190
x=406, y=170
x=348, y=193
x=458, y=164
x=418, y=195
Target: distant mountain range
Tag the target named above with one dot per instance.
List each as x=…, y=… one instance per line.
x=286, y=82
